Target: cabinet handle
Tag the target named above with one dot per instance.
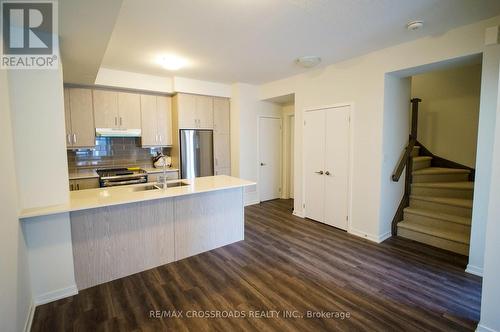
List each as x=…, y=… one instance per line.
x=74, y=138
x=327, y=173
x=77, y=186
x=121, y=120
x=216, y=162
x=116, y=121
x=319, y=172
x=71, y=187
x=68, y=138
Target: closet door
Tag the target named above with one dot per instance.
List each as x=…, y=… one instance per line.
x=337, y=166
x=314, y=161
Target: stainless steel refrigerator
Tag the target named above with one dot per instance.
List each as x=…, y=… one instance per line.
x=197, y=153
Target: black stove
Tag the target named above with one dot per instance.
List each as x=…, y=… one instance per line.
x=111, y=177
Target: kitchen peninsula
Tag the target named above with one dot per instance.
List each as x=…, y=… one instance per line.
x=120, y=231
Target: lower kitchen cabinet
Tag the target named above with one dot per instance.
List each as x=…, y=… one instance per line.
x=82, y=184
x=223, y=171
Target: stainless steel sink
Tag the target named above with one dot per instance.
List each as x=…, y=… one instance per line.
x=159, y=186
x=146, y=188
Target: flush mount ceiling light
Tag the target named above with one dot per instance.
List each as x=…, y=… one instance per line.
x=308, y=61
x=172, y=62
x=415, y=25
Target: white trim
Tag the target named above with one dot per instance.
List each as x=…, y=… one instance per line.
x=351, y=163
x=476, y=270
x=374, y=238
x=253, y=202
x=483, y=328
x=56, y=295
x=299, y=213
x=29, y=318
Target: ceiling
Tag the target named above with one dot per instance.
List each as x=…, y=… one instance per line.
x=256, y=41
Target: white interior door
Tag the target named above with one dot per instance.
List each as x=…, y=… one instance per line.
x=270, y=158
x=314, y=162
x=337, y=166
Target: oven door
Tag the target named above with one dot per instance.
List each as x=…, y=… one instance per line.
x=122, y=182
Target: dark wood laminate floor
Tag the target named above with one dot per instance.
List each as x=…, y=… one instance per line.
x=285, y=263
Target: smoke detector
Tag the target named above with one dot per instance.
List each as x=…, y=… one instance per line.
x=308, y=61
x=415, y=25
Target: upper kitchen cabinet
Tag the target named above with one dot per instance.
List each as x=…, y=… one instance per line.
x=194, y=111
x=118, y=110
x=156, y=115
x=129, y=110
x=221, y=115
x=80, y=132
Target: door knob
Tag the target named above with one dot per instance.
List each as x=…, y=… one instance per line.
x=327, y=173
x=262, y=164
x=319, y=172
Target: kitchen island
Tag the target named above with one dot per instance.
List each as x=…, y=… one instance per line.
x=120, y=231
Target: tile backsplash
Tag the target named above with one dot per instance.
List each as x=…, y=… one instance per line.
x=113, y=152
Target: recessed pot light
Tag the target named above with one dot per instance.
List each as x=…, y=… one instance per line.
x=308, y=61
x=172, y=62
x=415, y=25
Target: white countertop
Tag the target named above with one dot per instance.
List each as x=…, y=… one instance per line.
x=159, y=170
x=96, y=198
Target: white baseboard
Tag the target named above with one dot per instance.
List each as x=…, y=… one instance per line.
x=253, y=202
x=482, y=328
x=374, y=238
x=476, y=270
x=56, y=295
x=29, y=318
x=299, y=213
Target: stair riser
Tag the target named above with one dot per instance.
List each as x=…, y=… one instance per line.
x=441, y=192
x=425, y=220
x=421, y=164
x=443, y=208
x=457, y=247
x=415, y=152
x=422, y=178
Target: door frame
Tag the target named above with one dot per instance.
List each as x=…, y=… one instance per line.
x=258, y=151
x=350, y=158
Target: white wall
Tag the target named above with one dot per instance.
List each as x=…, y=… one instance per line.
x=15, y=292
x=361, y=81
x=490, y=303
x=187, y=85
x=449, y=112
x=395, y=138
x=38, y=126
x=287, y=112
x=486, y=134
x=130, y=80
x=245, y=111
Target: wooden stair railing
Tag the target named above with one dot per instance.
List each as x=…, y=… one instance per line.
x=405, y=162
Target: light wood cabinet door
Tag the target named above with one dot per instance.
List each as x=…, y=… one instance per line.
x=222, y=151
x=67, y=118
x=221, y=115
x=129, y=110
x=106, y=109
x=164, y=120
x=186, y=111
x=223, y=171
x=205, y=112
x=149, y=135
x=82, y=117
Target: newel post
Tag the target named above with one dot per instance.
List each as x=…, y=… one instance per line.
x=414, y=118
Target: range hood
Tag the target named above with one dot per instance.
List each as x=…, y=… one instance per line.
x=114, y=132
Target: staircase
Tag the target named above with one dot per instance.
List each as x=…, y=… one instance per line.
x=440, y=206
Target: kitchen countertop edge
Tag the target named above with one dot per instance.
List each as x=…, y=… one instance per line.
x=133, y=197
